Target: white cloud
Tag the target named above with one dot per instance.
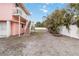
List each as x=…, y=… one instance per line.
x=44, y=10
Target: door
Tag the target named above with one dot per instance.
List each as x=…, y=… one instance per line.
x=2, y=29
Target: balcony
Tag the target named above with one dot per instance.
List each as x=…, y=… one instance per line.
x=20, y=12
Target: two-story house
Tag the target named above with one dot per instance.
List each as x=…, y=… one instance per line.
x=13, y=19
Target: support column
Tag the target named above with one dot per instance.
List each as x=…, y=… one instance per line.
x=8, y=28
x=19, y=27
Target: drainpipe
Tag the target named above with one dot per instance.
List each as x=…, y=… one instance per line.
x=8, y=28
x=19, y=26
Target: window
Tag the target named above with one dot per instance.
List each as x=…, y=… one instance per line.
x=22, y=25
x=16, y=5
x=2, y=26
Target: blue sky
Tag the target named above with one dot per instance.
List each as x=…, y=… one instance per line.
x=38, y=10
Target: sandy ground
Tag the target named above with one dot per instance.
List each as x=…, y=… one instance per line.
x=39, y=43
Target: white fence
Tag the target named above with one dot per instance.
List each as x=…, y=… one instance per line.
x=73, y=32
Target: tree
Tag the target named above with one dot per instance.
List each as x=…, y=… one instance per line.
x=57, y=19
x=39, y=24
x=76, y=7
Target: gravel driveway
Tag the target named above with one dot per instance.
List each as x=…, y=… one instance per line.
x=40, y=43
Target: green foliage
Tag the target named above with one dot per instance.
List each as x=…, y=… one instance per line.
x=76, y=6
x=57, y=19
x=67, y=20
x=77, y=23
x=39, y=24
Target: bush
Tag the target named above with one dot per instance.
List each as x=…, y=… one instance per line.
x=56, y=20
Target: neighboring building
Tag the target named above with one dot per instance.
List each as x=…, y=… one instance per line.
x=13, y=19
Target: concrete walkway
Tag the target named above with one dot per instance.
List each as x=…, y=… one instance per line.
x=39, y=43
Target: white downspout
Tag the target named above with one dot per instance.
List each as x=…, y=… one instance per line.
x=19, y=26
x=8, y=28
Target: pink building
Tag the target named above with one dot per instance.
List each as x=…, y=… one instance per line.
x=13, y=19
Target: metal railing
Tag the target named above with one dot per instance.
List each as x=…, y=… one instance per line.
x=19, y=11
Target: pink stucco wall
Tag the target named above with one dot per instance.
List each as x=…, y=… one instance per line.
x=15, y=28
x=6, y=10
